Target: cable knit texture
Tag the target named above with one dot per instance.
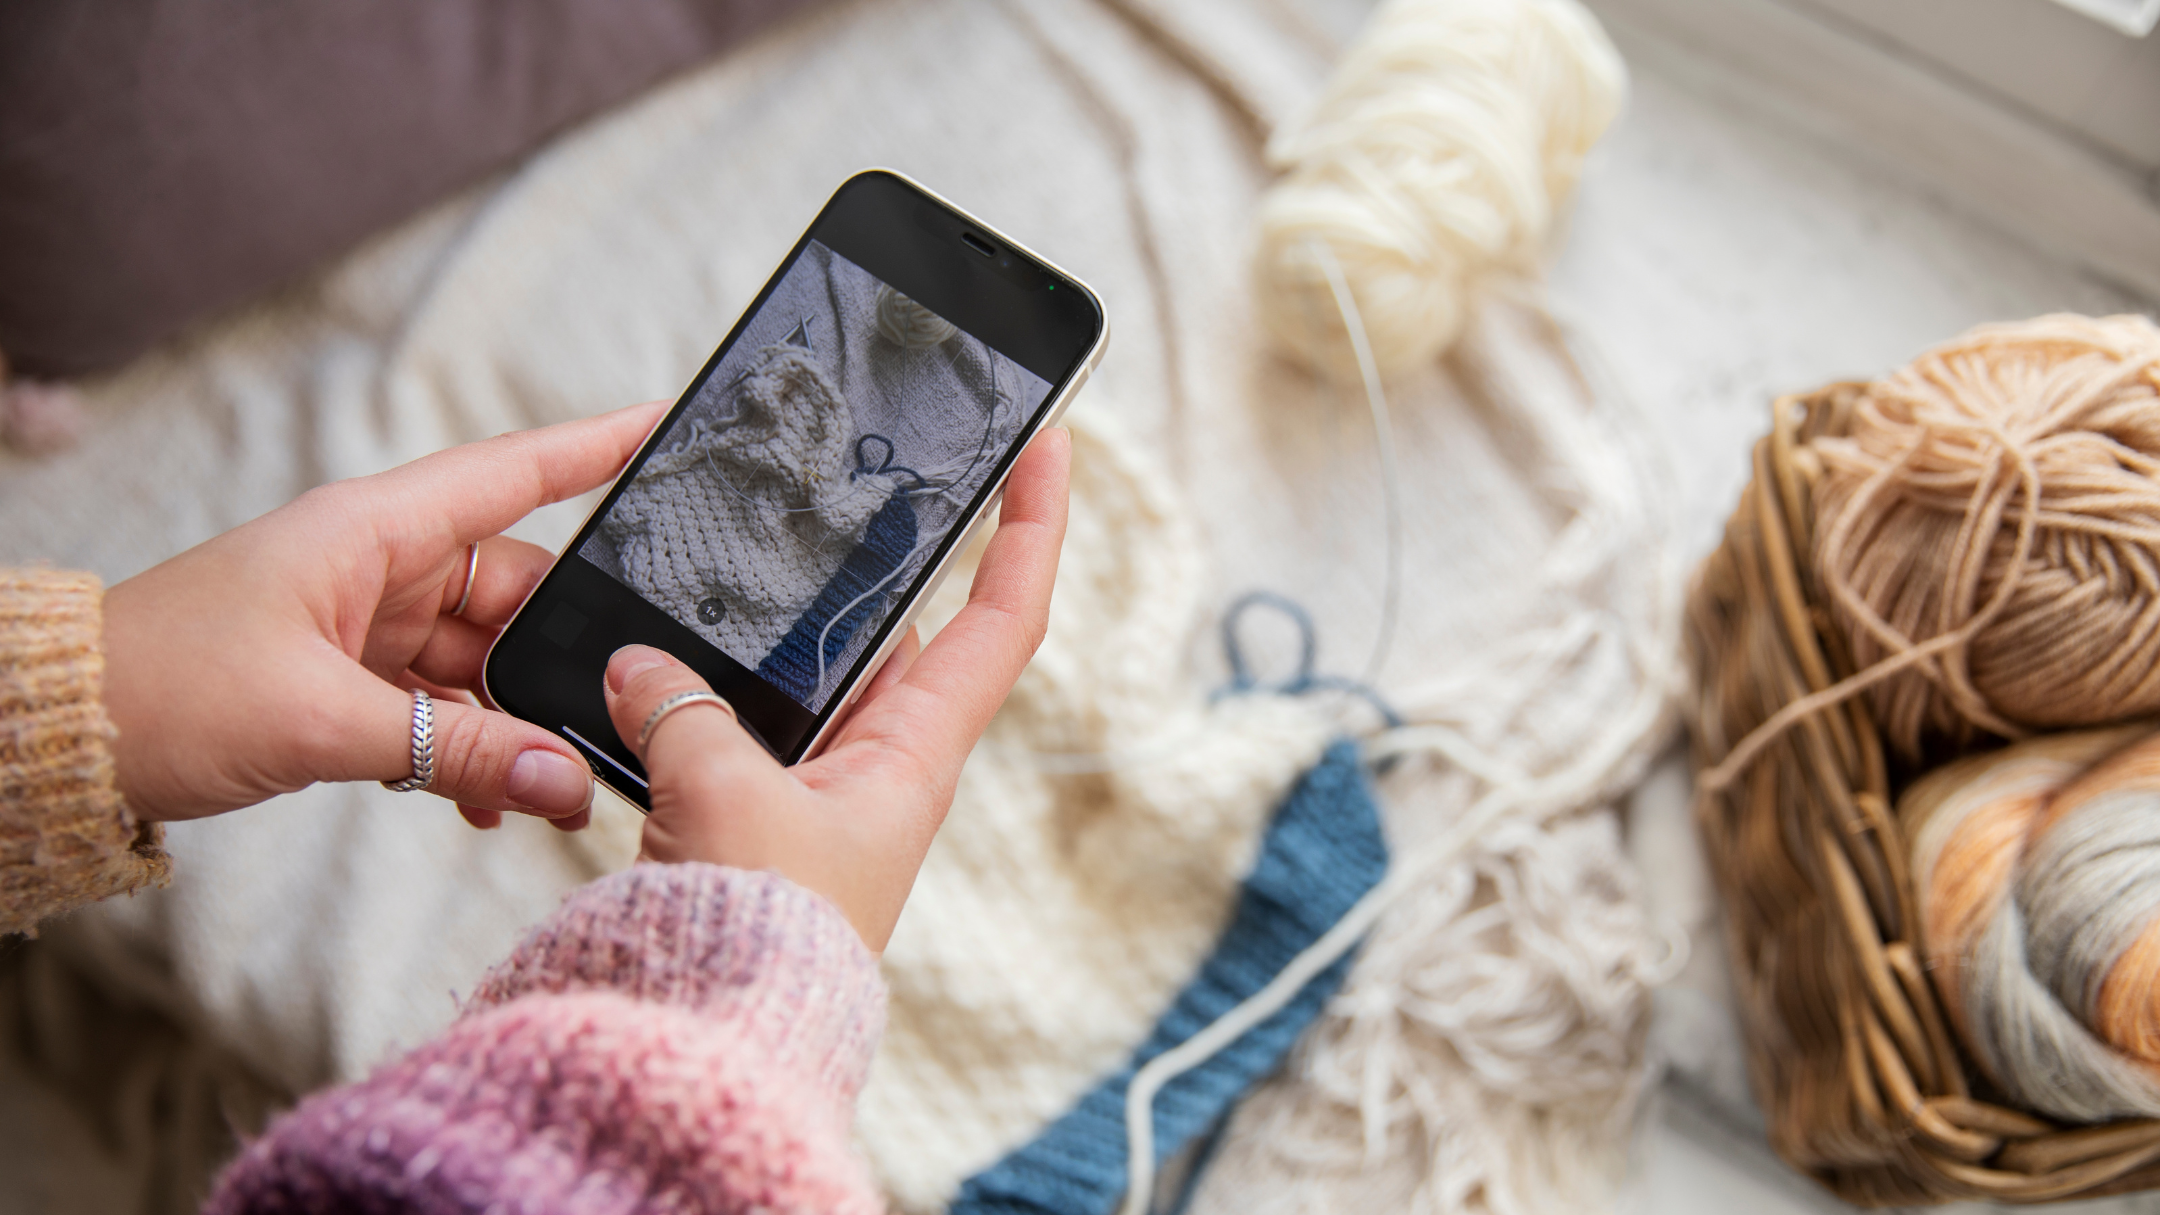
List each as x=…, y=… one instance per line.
x=675, y=1038
x=66, y=838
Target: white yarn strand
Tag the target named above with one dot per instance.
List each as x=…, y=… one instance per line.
x=1505, y=1036
x=1140, y=1096
x=1384, y=439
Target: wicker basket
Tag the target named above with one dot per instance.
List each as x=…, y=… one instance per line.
x=1865, y=1087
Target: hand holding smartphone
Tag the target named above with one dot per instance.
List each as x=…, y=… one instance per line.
x=785, y=520
x=854, y=823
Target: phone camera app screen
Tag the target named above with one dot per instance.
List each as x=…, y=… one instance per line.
x=814, y=473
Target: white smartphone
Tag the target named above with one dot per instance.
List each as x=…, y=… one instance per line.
x=784, y=522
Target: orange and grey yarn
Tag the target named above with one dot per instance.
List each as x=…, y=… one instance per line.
x=66, y=838
x=2038, y=873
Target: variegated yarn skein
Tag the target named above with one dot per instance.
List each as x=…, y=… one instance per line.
x=1988, y=532
x=2038, y=875
x=1442, y=150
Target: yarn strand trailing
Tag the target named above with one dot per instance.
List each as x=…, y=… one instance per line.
x=1384, y=439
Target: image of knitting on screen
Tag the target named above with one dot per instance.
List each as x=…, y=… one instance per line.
x=814, y=474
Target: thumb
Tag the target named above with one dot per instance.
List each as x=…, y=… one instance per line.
x=717, y=794
x=483, y=759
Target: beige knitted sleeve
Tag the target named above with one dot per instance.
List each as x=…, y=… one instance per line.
x=65, y=836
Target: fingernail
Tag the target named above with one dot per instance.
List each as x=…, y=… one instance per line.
x=631, y=661
x=549, y=783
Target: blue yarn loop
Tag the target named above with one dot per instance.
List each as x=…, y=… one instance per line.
x=792, y=665
x=867, y=467
x=1305, y=679
x=1322, y=852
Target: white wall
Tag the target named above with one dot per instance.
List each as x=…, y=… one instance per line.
x=2097, y=83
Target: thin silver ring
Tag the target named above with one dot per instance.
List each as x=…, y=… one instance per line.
x=472, y=575
x=423, y=747
x=672, y=703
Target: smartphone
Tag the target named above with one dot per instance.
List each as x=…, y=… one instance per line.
x=783, y=523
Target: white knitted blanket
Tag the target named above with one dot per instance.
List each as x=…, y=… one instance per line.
x=1488, y=1044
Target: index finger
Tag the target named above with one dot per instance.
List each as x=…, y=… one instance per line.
x=479, y=489
x=947, y=697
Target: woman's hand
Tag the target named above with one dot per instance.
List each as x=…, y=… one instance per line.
x=854, y=823
x=277, y=654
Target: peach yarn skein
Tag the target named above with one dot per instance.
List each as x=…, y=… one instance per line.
x=1989, y=531
x=2037, y=870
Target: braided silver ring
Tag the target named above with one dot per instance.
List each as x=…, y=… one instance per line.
x=423, y=747
x=672, y=703
x=472, y=575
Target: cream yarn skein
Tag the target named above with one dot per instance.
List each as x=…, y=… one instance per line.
x=2037, y=870
x=1448, y=139
x=909, y=325
x=1989, y=531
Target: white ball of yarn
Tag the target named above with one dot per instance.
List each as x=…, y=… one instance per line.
x=908, y=324
x=1440, y=151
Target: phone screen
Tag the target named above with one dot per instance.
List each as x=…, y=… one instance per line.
x=812, y=477
x=805, y=485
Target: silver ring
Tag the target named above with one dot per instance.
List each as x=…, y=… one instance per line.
x=423, y=747
x=672, y=703
x=472, y=574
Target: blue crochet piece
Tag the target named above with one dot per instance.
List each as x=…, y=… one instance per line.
x=1321, y=854
x=792, y=666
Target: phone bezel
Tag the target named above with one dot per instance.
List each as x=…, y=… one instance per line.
x=892, y=205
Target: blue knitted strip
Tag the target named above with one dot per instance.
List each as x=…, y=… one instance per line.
x=792, y=666
x=1321, y=854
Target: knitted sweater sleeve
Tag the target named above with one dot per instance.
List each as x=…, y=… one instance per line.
x=676, y=1038
x=66, y=838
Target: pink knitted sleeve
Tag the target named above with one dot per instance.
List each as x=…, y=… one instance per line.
x=675, y=1038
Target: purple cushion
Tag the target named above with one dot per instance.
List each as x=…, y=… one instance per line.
x=164, y=159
